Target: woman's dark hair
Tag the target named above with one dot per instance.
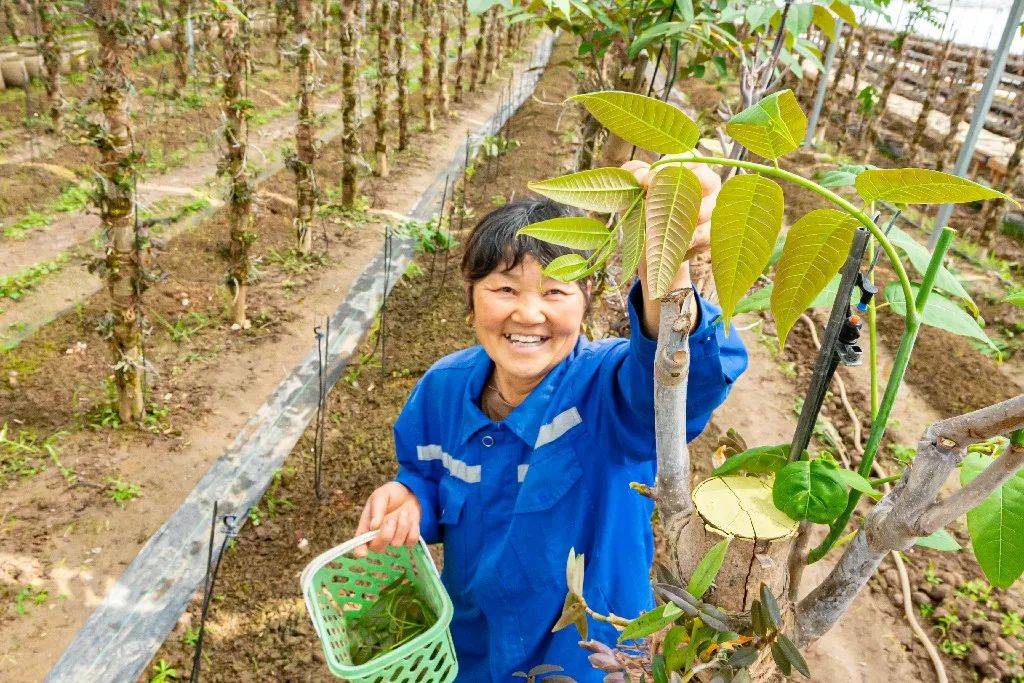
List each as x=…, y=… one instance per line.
x=493, y=242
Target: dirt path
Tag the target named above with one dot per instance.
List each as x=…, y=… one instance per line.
x=73, y=539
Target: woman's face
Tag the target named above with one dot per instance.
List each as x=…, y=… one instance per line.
x=526, y=322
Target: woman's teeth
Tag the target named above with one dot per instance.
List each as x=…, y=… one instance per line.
x=525, y=339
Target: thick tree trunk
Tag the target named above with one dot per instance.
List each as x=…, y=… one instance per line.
x=491, y=47
x=443, y=97
x=235, y=167
x=385, y=73
x=401, y=75
x=49, y=50
x=479, y=52
x=305, y=130
x=996, y=211
x=349, y=39
x=281, y=12
x=892, y=73
x=460, y=64
x=427, y=63
x=963, y=92
x=921, y=125
x=123, y=266
x=182, y=8
x=863, y=53
x=324, y=16
x=12, y=27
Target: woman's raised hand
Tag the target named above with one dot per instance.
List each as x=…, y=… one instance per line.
x=394, y=510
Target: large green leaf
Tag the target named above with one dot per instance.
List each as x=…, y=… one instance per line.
x=744, y=224
x=919, y=257
x=759, y=460
x=816, y=248
x=673, y=204
x=567, y=268
x=707, y=569
x=773, y=127
x=939, y=312
x=575, y=232
x=650, y=622
x=643, y=121
x=804, y=490
x=633, y=240
x=997, y=525
x=601, y=189
x=921, y=186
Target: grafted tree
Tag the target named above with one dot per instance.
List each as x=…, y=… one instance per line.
x=889, y=77
x=348, y=32
x=460, y=62
x=123, y=266
x=303, y=161
x=234, y=166
x=443, y=97
x=385, y=73
x=959, y=105
x=427, y=66
x=49, y=18
x=477, y=76
x=182, y=9
x=282, y=11
x=491, y=47
x=864, y=47
x=935, y=74
x=995, y=212
x=401, y=75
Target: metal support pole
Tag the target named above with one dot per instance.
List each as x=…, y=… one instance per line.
x=988, y=91
x=819, y=98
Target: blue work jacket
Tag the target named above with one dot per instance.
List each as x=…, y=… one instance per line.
x=509, y=499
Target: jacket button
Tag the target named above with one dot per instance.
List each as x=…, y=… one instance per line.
x=487, y=441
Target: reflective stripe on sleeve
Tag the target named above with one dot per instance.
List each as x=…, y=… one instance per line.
x=458, y=469
x=521, y=473
x=562, y=423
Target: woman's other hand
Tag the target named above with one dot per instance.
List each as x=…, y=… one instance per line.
x=394, y=510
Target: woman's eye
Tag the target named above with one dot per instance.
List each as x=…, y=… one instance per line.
x=555, y=292
x=506, y=290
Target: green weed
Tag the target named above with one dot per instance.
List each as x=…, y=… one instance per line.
x=23, y=454
x=1012, y=624
x=16, y=286
x=29, y=595
x=33, y=220
x=294, y=263
x=163, y=672
x=954, y=648
x=930, y=576
x=121, y=491
x=184, y=326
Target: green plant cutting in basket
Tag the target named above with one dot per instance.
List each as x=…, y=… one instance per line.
x=399, y=615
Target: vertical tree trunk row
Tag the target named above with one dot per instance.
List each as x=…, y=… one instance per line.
x=892, y=73
x=349, y=39
x=491, y=47
x=280, y=28
x=236, y=136
x=385, y=72
x=12, y=26
x=844, y=61
x=49, y=50
x=921, y=125
x=427, y=62
x=961, y=102
x=181, y=12
x=995, y=212
x=460, y=61
x=123, y=265
x=863, y=50
x=401, y=76
x=443, y=97
x=305, y=130
x=477, y=76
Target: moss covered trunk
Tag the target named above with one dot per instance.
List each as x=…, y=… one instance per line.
x=385, y=73
x=460, y=50
x=305, y=129
x=7, y=7
x=182, y=8
x=123, y=263
x=49, y=49
x=348, y=31
x=478, y=53
x=237, y=109
x=491, y=47
x=443, y=96
x=427, y=63
x=960, y=103
x=401, y=75
x=281, y=12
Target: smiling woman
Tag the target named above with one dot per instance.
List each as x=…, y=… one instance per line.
x=518, y=449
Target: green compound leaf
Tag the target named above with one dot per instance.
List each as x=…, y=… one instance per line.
x=605, y=190
x=643, y=121
x=940, y=540
x=575, y=232
x=772, y=128
x=707, y=569
x=744, y=224
x=804, y=490
x=567, y=268
x=760, y=460
x=673, y=204
x=997, y=525
x=919, y=257
x=938, y=312
x=816, y=248
x=921, y=186
x=650, y=622
x=634, y=238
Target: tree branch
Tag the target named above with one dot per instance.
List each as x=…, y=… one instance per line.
x=671, y=371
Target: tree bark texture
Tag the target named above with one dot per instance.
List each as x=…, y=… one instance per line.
x=921, y=125
x=848, y=46
x=460, y=64
x=12, y=27
x=960, y=103
x=443, y=96
x=123, y=264
x=863, y=52
x=234, y=165
x=305, y=129
x=427, y=63
x=479, y=52
x=491, y=47
x=401, y=75
x=349, y=39
x=49, y=49
x=912, y=508
x=995, y=213
x=182, y=8
x=281, y=12
x=385, y=73
x=892, y=72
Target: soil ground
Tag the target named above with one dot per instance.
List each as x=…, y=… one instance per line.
x=63, y=539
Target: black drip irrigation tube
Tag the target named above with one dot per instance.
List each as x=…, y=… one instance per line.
x=121, y=636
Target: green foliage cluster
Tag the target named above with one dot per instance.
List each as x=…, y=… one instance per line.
x=399, y=614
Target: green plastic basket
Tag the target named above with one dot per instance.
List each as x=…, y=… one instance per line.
x=354, y=583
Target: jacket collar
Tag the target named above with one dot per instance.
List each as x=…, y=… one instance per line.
x=526, y=419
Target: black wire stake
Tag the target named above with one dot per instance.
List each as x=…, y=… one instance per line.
x=465, y=183
x=381, y=335
x=230, y=531
x=440, y=225
x=323, y=341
